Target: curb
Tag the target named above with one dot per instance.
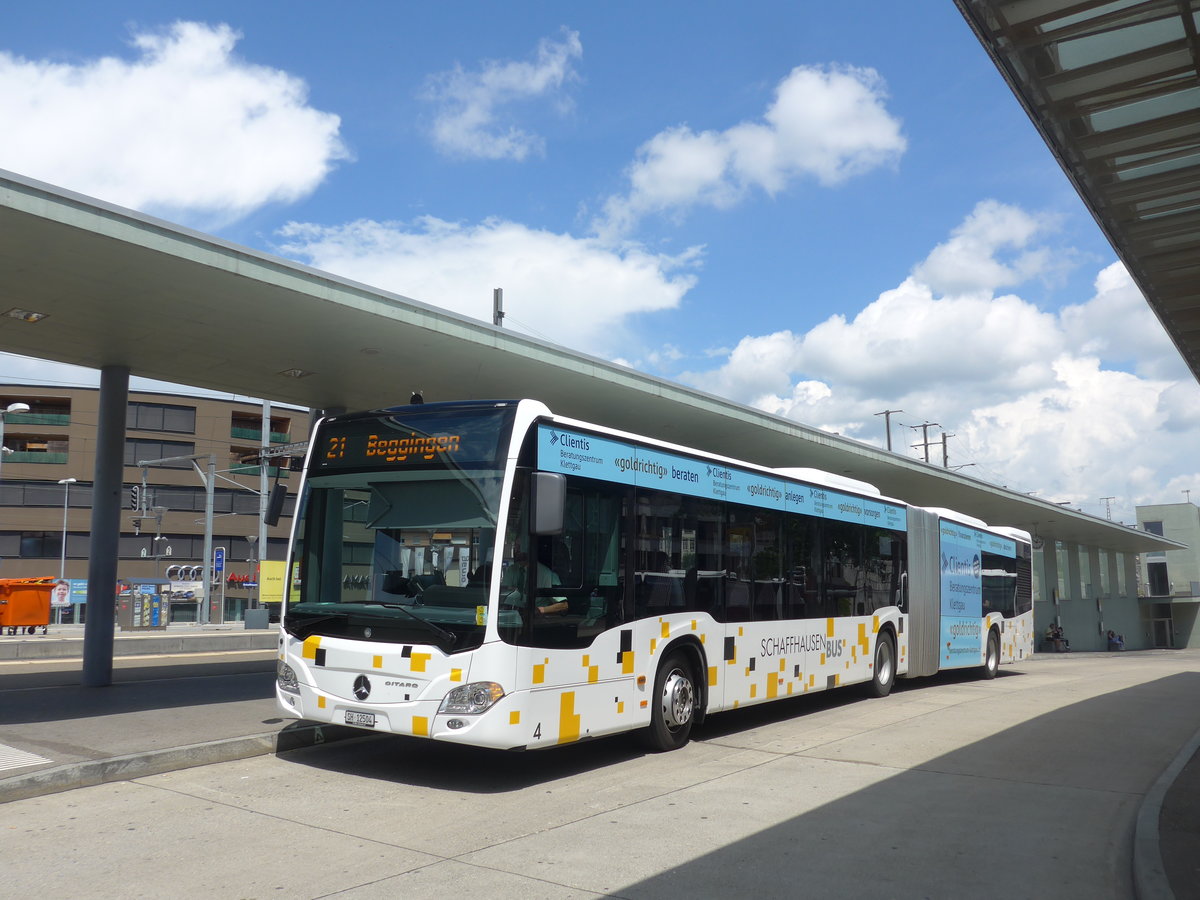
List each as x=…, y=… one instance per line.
x=1150, y=880
x=46, y=649
x=155, y=762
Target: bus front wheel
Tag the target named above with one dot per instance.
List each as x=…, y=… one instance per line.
x=883, y=672
x=674, y=705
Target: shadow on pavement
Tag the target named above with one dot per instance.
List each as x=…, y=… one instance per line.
x=1026, y=793
x=1022, y=794
x=134, y=690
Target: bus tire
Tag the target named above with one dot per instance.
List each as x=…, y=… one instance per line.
x=883, y=672
x=673, y=708
x=991, y=660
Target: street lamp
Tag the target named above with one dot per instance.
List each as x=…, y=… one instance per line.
x=62, y=566
x=11, y=408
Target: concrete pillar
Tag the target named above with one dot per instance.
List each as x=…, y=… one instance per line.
x=106, y=527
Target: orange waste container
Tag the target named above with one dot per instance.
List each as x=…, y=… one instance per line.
x=25, y=604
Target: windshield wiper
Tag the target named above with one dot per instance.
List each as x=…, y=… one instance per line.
x=450, y=637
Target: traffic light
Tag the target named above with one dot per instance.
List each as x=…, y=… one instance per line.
x=135, y=495
x=275, y=504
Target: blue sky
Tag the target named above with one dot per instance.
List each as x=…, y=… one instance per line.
x=824, y=210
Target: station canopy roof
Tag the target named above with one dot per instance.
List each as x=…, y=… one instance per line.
x=87, y=283
x=1114, y=89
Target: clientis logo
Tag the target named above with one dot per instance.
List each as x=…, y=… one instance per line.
x=961, y=566
x=569, y=441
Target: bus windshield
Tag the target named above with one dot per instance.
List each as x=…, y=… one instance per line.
x=396, y=550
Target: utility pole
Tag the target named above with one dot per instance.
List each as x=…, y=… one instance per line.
x=924, y=436
x=945, y=451
x=264, y=494
x=1107, y=501
x=887, y=424
x=1187, y=495
x=498, y=307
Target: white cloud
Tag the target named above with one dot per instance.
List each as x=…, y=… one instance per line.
x=1117, y=325
x=828, y=123
x=1075, y=434
x=574, y=291
x=971, y=261
x=474, y=107
x=186, y=130
x=1033, y=398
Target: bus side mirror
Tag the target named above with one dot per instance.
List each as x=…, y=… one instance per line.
x=549, y=496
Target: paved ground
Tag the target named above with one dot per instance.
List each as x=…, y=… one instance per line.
x=1108, y=762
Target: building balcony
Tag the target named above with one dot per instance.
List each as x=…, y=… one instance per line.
x=38, y=418
x=255, y=434
x=35, y=456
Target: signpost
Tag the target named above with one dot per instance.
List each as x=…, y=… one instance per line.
x=216, y=613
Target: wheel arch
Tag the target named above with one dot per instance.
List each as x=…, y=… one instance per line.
x=689, y=645
x=995, y=629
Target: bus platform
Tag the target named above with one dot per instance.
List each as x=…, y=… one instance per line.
x=185, y=696
x=166, y=714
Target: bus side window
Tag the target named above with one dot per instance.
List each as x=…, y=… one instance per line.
x=803, y=553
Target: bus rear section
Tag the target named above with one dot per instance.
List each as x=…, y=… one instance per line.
x=970, y=593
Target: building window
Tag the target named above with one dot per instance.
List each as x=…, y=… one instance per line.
x=140, y=448
x=246, y=427
x=161, y=417
x=43, y=493
x=1158, y=583
x=41, y=544
x=29, y=448
x=277, y=470
x=1155, y=528
x=42, y=411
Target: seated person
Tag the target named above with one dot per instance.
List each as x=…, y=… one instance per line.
x=1116, y=641
x=1054, y=634
x=514, y=580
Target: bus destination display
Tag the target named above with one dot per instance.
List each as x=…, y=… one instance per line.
x=411, y=442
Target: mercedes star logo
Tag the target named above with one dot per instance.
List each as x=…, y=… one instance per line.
x=362, y=687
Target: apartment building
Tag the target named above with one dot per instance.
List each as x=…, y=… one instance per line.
x=46, y=473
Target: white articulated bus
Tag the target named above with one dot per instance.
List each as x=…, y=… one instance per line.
x=493, y=574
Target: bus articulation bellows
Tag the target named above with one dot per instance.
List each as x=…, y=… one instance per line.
x=493, y=574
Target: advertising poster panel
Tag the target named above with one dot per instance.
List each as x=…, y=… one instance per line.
x=963, y=550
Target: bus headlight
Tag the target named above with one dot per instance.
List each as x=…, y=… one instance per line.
x=472, y=699
x=285, y=677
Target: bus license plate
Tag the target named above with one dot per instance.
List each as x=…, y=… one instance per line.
x=361, y=719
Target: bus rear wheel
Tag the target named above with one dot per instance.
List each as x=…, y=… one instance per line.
x=883, y=672
x=991, y=662
x=673, y=708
